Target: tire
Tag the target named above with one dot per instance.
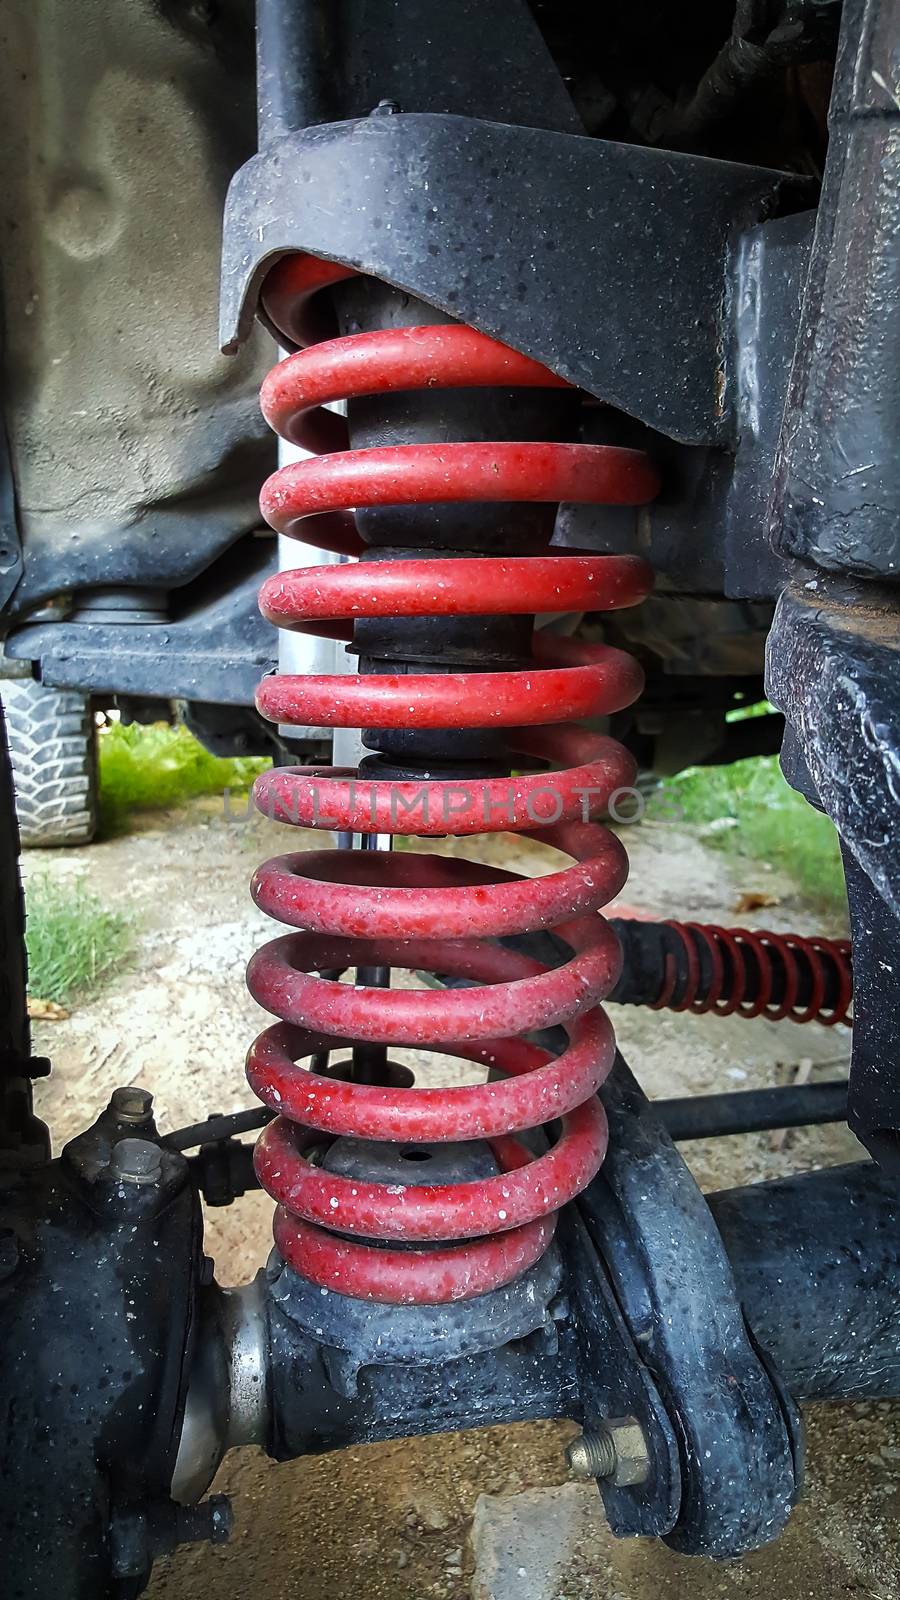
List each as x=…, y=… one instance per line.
x=21, y=1134
x=53, y=748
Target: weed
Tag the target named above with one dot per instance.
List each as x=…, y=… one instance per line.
x=157, y=767
x=73, y=942
x=760, y=816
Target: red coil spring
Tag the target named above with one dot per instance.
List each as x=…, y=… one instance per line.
x=799, y=957
x=417, y=911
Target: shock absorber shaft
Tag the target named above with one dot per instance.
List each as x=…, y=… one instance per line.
x=488, y=710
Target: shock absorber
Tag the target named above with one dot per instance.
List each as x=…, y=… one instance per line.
x=700, y=967
x=470, y=712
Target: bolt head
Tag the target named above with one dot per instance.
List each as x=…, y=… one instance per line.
x=131, y=1104
x=221, y=1519
x=136, y=1161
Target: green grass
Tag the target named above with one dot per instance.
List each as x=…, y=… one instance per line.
x=158, y=767
x=72, y=941
x=764, y=819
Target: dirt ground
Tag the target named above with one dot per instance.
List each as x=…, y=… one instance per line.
x=392, y=1520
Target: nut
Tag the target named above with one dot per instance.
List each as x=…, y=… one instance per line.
x=615, y=1451
x=136, y=1161
x=632, y=1454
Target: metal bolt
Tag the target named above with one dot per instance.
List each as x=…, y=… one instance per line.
x=616, y=1451
x=211, y=1521
x=131, y=1104
x=138, y=1534
x=136, y=1161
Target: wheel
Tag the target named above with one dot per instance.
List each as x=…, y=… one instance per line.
x=53, y=747
x=21, y=1135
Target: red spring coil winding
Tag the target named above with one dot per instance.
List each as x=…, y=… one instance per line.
x=417, y=911
x=798, y=957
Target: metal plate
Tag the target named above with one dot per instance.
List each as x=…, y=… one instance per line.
x=608, y=262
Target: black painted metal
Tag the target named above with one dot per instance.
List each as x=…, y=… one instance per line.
x=709, y=1116
x=579, y=1363
x=358, y=1333
x=222, y=1169
x=650, y=1224
x=532, y=236
x=217, y=1127
x=96, y=1334
x=833, y=668
x=705, y=534
x=616, y=1380
x=815, y=1266
x=834, y=650
x=873, y=1109
x=296, y=64
x=530, y=1378
x=140, y=1534
x=323, y=63
x=772, y=267
x=836, y=495
x=214, y=649
x=816, y=1258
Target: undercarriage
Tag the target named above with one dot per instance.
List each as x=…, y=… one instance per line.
x=579, y=441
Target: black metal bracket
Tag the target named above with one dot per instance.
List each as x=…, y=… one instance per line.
x=836, y=494
x=545, y=240
x=738, y=1434
x=215, y=652
x=615, y=1381
x=833, y=668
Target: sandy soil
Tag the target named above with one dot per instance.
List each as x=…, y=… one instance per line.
x=392, y=1520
